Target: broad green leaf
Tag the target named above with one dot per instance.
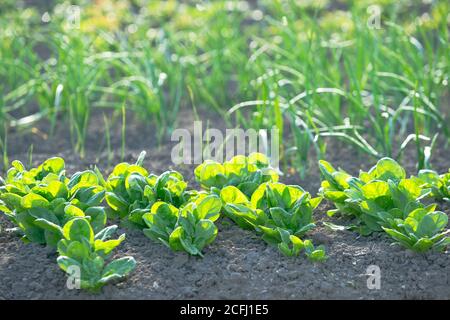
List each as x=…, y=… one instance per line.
x=388, y=168
x=411, y=188
x=51, y=238
x=42, y=213
x=120, y=267
x=327, y=170
x=32, y=232
x=58, y=189
x=428, y=176
x=341, y=178
x=107, y=246
x=430, y=224
x=117, y=203
x=259, y=159
x=314, y=202
x=33, y=200
x=50, y=226
x=78, y=229
x=335, y=196
x=205, y=233
x=258, y=196
x=18, y=165
x=65, y=263
x=77, y=250
x=73, y=211
x=98, y=218
x=175, y=239
x=12, y=201
x=271, y=236
x=106, y=233
x=375, y=189
x=242, y=215
x=424, y=244
x=209, y=208
x=317, y=255
x=440, y=220
x=136, y=215
x=280, y=217
x=233, y=195
x=400, y=237
x=53, y=165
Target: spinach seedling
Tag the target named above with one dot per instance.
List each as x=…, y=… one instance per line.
x=382, y=192
x=280, y=213
x=421, y=230
x=189, y=229
x=42, y=200
x=83, y=249
x=131, y=191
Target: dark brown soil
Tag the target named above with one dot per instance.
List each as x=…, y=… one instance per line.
x=238, y=265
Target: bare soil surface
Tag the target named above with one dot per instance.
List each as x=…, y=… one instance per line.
x=238, y=265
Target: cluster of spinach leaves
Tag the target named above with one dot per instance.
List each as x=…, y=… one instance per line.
x=131, y=191
x=384, y=199
x=41, y=201
x=184, y=220
x=83, y=248
x=189, y=228
x=163, y=207
x=245, y=173
x=50, y=208
x=281, y=213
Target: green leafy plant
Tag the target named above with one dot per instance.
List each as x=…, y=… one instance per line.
x=125, y=188
x=131, y=191
x=189, y=229
x=272, y=205
x=42, y=200
x=161, y=220
x=88, y=251
x=40, y=220
x=18, y=180
x=439, y=184
x=245, y=173
x=382, y=192
x=383, y=199
x=281, y=213
x=238, y=208
x=337, y=183
x=380, y=200
x=421, y=230
x=287, y=207
x=314, y=253
x=291, y=246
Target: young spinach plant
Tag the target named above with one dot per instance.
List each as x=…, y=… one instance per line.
x=132, y=191
x=280, y=213
x=42, y=200
x=382, y=192
x=421, y=230
x=189, y=229
x=88, y=252
x=383, y=199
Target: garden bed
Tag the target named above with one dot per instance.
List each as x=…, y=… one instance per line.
x=238, y=265
x=346, y=81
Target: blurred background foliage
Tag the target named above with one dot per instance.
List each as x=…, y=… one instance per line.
x=321, y=71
